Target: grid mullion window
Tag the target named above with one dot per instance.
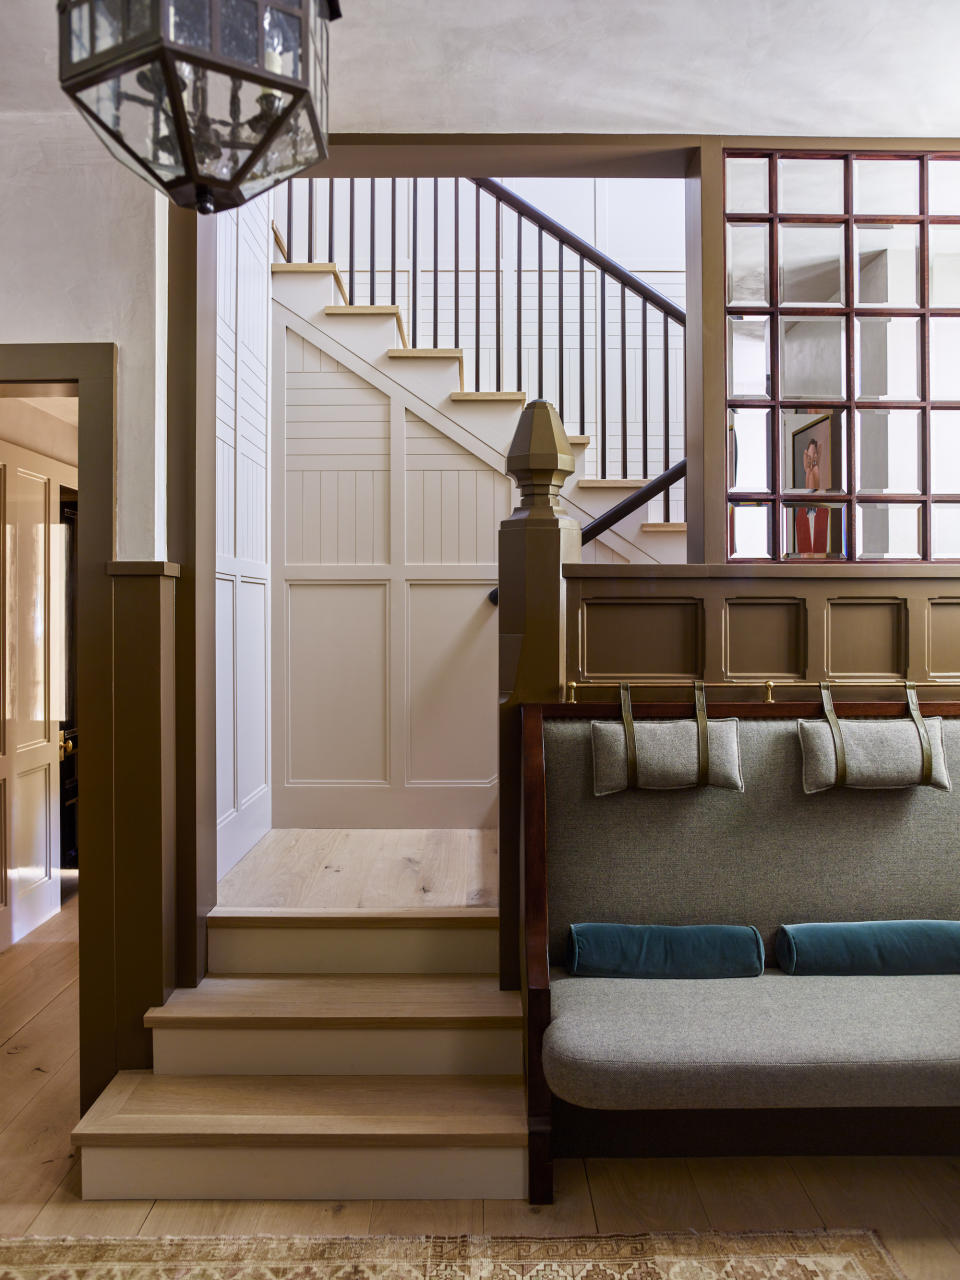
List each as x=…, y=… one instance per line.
x=843, y=356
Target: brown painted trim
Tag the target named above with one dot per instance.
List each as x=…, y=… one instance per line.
x=808, y=571
x=191, y=542
x=143, y=569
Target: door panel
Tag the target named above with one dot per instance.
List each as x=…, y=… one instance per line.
x=34, y=618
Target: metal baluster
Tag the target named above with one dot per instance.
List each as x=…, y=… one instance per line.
x=436, y=258
x=289, y=219
x=540, y=314
x=623, y=382
x=373, y=241
x=644, y=353
x=560, y=329
x=519, y=302
x=353, y=243
x=476, y=323
x=456, y=262
x=583, y=392
x=666, y=411
x=393, y=242
x=603, y=375
x=497, y=275
x=330, y=244
x=416, y=255
x=310, y=216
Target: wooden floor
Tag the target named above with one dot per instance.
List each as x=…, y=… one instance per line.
x=913, y=1203
x=377, y=869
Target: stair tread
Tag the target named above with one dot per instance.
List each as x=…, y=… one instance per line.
x=139, y=1108
x=478, y=397
x=358, y=917
x=434, y=353
x=341, y=1001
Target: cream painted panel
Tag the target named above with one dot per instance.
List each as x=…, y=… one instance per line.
x=32, y=693
x=226, y=492
x=226, y=697
x=252, y=681
x=452, y=683
x=337, y=682
x=32, y=860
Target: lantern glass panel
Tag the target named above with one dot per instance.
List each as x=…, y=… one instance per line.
x=239, y=38
x=294, y=148
x=190, y=22
x=135, y=105
x=281, y=55
x=138, y=17
x=118, y=153
x=228, y=116
x=80, y=33
x=107, y=24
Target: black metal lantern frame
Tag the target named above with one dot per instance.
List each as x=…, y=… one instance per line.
x=211, y=101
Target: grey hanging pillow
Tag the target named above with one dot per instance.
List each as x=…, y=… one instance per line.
x=667, y=755
x=881, y=755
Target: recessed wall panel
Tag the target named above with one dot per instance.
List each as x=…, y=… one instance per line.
x=252, y=682
x=766, y=638
x=452, y=683
x=30, y=593
x=642, y=638
x=944, y=657
x=867, y=638
x=31, y=860
x=336, y=682
x=226, y=697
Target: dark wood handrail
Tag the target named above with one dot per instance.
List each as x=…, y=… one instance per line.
x=634, y=501
x=583, y=248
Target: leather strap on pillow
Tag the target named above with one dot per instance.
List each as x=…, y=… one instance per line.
x=913, y=707
x=703, y=741
x=834, y=724
x=626, y=711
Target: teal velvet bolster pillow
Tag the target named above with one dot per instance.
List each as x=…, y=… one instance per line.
x=665, y=951
x=870, y=947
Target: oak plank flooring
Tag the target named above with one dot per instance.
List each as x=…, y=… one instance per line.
x=304, y=869
x=631, y=1196
x=913, y=1202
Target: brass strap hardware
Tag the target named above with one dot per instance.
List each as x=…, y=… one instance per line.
x=834, y=724
x=913, y=706
x=626, y=711
x=703, y=741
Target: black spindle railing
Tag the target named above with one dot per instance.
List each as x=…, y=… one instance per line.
x=572, y=358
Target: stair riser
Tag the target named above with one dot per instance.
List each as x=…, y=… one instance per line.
x=297, y=1173
x=366, y=950
x=492, y=422
x=368, y=336
x=307, y=293
x=317, y=1051
x=430, y=378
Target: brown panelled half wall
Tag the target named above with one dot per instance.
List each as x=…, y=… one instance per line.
x=780, y=625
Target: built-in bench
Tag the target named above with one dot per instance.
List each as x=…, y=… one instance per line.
x=770, y=1064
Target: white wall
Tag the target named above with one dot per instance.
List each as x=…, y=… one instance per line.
x=84, y=260
x=242, y=584
x=664, y=66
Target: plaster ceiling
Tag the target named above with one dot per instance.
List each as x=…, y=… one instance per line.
x=883, y=68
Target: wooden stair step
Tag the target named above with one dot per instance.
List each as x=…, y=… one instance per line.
x=353, y=918
x=382, y=1001
x=142, y=1109
x=370, y=309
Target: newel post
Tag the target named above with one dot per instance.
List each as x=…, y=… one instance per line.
x=535, y=542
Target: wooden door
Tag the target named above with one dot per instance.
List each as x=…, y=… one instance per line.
x=32, y=585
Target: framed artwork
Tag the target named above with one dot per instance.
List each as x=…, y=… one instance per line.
x=812, y=453
x=816, y=453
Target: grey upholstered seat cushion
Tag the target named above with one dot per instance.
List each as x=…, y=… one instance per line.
x=668, y=756
x=880, y=754
x=773, y=1041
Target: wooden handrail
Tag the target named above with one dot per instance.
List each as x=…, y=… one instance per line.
x=634, y=501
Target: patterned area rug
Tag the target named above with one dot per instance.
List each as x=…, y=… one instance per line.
x=824, y=1255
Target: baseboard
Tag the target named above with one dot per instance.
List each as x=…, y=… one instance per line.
x=875, y=1131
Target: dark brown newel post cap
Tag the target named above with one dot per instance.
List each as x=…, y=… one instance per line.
x=540, y=457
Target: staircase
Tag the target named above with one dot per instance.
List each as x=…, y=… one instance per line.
x=328, y=1055
x=372, y=1054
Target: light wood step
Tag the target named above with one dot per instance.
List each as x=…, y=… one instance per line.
x=274, y=941
x=423, y=358
x=490, y=397
x=439, y=1024
x=304, y=1137
x=664, y=526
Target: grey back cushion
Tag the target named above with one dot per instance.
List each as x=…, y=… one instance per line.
x=767, y=856
x=880, y=754
x=668, y=754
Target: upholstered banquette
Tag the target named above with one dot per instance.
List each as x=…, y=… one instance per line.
x=764, y=1049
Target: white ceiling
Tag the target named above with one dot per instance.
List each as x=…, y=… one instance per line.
x=847, y=67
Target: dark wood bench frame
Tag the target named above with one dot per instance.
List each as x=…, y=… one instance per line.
x=556, y=1128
